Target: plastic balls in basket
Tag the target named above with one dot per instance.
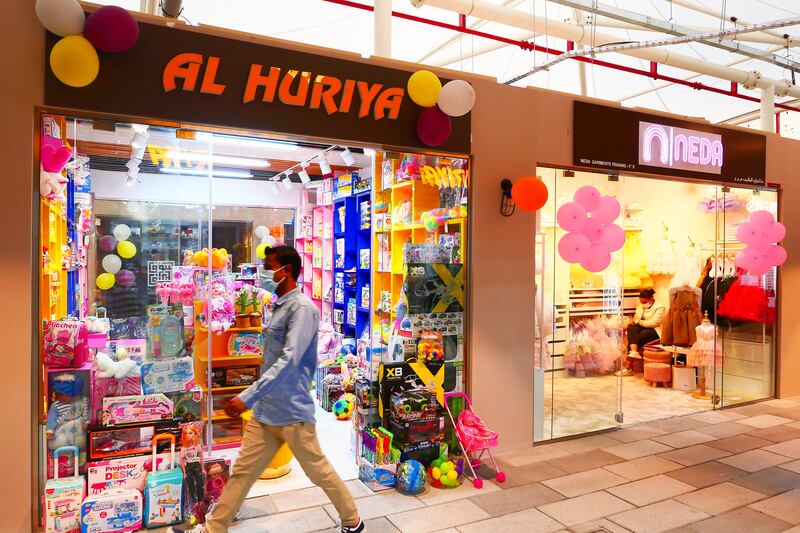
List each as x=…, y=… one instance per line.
x=344, y=406
x=411, y=477
x=446, y=473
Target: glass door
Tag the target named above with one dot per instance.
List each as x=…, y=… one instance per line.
x=580, y=311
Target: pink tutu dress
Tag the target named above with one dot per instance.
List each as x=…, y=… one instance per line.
x=706, y=351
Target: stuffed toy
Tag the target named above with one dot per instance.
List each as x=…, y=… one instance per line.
x=108, y=368
x=222, y=313
x=52, y=185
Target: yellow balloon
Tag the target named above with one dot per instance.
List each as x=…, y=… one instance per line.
x=424, y=87
x=74, y=61
x=105, y=281
x=126, y=249
x=452, y=475
x=260, y=249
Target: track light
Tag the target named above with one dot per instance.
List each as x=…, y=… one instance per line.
x=324, y=166
x=133, y=172
x=304, y=177
x=139, y=128
x=132, y=164
x=138, y=153
x=286, y=183
x=139, y=140
x=348, y=158
x=274, y=187
x=130, y=181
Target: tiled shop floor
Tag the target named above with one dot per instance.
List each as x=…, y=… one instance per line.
x=731, y=470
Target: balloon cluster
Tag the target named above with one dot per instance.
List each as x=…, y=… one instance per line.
x=436, y=217
x=112, y=264
x=444, y=473
x=456, y=98
x=529, y=193
x=760, y=233
x=267, y=239
x=73, y=59
x=592, y=236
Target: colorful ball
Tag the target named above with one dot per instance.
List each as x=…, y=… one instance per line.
x=343, y=409
x=411, y=477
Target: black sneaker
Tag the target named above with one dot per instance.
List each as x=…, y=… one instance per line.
x=358, y=528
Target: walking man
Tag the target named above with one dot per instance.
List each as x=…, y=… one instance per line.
x=283, y=411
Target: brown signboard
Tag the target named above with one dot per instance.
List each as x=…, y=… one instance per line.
x=185, y=76
x=620, y=140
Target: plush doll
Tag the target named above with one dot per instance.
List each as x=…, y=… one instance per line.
x=222, y=314
x=51, y=185
x=187, y=257
x=108, y=368
x=68, y=414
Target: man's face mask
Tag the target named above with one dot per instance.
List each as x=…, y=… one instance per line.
x=268, y=281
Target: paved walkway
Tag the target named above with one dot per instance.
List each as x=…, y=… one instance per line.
x=727, y=471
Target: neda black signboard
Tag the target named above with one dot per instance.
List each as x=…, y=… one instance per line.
x=186, y=76
x=619, y=140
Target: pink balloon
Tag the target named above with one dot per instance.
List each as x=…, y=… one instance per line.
x=749, y=232
x=762, y=218
x=608, y=210
x=759, y=269
x=597, y=259
x=434, y=127
x=572, y=247
x=612, y=238
x=588, y=197
x=749, y=258
x=776, y=255
x=775, y=232
x=111, y=29
x=593, y=229
x=571, y=216
x=108, y=243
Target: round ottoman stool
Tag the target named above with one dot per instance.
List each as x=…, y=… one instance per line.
x=656, y=373
x=656, y=355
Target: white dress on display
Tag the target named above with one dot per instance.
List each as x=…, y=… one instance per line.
x=706, y=351
x=663, y=260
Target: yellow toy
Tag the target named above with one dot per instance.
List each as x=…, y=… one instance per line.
x=219, y=258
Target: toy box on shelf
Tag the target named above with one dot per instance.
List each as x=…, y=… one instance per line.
x=123, y=472
x=126, y=441
x=112, y=511
x=63, y=497
x=321, y=274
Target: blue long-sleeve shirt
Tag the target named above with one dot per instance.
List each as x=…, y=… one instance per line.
x=281, y=396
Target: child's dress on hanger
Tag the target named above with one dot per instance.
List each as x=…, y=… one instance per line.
x=748, y=301
x=663, y=260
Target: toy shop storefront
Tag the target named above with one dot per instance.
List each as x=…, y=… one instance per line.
x=161, y=190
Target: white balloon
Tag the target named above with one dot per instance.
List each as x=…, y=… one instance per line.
x=269, y=240
x=112, y=263
x=62, y=17
x=122, y=232
x=456, y=98
x=261, y=232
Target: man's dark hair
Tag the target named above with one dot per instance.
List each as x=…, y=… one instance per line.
x=644, y=293
x=285, y=255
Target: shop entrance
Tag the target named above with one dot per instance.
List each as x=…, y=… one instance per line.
x=680, y=243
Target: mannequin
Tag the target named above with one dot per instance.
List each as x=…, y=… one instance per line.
x=704, y=353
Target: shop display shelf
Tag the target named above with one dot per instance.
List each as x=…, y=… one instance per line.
x=407, y=227
x=403, y=184
x=215, y=390
x=221, y=358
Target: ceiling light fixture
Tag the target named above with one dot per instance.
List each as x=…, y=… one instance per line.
x=324, y=166
x=139, y=128
x=130, y=181
x=140, y=140
x=286, y=183
x=348, y=158
x=213, y=173
x=218, y=159
x=245, y=141
x=304, y=177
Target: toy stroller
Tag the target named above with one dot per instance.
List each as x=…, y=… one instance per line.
x=473, y=437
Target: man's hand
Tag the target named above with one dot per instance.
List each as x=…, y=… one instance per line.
x=235, y=407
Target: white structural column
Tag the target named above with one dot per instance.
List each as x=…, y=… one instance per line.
x=768, y=108
x=382, y=38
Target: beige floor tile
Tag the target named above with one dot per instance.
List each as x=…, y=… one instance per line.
x=586, y=444
x=740, y=520
x=790, y=448
x=428, y=519
x=794, y=466
x=694, y=455
x=535, y=454
x=783, y=403
x=754, y=460
x=634, y=433
x=683, y=439
x=777, y=433
x=435, y=496
x=784, y=506
x=765, y=421
x=299, y=499
x=303, y=521
x=707, y=474
x=376, y=525
x=448, y=530
x=795, y=529
x=643, y=467
x=795, y=425
x=720, y=498
x=725, y=429
x=585, y=461
x=717, y=417
x=739, y=443
x=662, y=516
x=255, y=507
x=676, y=424
x=383, y=504
x=640, y=448
x=532, y=473
x=584, y=482
x=585, y=508
x=599, y=526
x=651, y=490
x=517, y=499
x=770, y=481
x=529, y=520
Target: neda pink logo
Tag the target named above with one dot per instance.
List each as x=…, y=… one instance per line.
x=680, y=148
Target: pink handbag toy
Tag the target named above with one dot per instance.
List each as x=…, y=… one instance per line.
x=65, y=343
x=63, y=498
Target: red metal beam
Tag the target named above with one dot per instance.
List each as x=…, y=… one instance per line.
x=530, y=46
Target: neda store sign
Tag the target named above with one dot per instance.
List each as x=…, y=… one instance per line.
x=189, y=77
x=619, y=140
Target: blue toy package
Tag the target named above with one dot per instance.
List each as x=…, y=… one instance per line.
x=165, y=333
x=163, y=504
x=172, y=375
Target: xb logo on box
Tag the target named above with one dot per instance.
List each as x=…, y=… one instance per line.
x=394, y=372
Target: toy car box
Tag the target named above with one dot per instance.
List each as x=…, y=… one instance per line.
x=127, y=441
x=63, y=498
x=136, y=409
x=171, y=375
x=417, y=404
x=113, y=511
x=405, y=433
x=397, y=377
x=162, y=495
x=123, y=472
x=188, y=405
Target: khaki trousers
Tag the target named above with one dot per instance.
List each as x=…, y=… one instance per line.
x=259, y=446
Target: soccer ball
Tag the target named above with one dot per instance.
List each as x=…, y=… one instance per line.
x=344, y=406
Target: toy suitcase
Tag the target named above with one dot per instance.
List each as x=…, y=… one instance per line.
x=162, y=494
x=113, y=511
x=63, y=498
